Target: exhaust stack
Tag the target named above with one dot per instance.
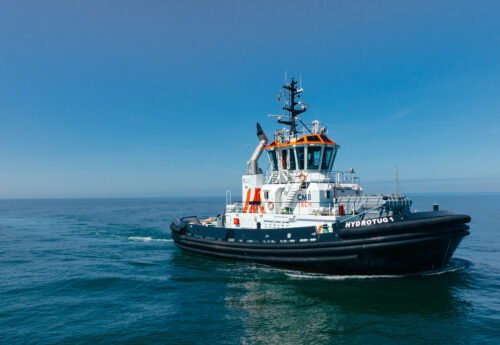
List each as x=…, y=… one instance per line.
x=252, y=165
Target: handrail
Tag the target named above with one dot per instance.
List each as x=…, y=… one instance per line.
x=308, y=208
x=352, y=206
x=284, y=133
x=360, y=214
x=333, y=176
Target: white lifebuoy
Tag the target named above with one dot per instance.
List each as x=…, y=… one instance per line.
x=270, y=205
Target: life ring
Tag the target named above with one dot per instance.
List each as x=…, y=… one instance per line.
x=302, y=177
x=270, y=205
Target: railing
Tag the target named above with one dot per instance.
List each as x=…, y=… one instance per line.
x=283, y=135
x=300, y=208
x=347, y=205
x=336, y=177
x=360, y=215
x=280, y=176
x=340, y=177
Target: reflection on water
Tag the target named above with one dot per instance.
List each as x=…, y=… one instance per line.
x=280, y=309
x=453, y=266
x=272, y=314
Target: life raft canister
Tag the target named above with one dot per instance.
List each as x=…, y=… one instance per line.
x=323, y=229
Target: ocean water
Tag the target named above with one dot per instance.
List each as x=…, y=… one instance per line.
x=106, y=271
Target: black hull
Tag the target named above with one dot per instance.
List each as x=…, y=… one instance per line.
x=422, y=242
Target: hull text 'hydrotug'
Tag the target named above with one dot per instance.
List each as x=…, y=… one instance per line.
x=303, y=215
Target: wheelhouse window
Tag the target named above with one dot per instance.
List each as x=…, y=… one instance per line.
x=300, y=157
x=293, y=165
x=273, y=160
x=313, y=138
x=284, y=156
x=327, y=158
x=313, y=157
x=325, y=138
x=335, y=150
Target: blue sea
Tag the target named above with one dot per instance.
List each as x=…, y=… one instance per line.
x=106, y=271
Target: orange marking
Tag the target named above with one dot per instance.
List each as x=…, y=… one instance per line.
x=303, y=140
x=257, y=200
x=247, y=200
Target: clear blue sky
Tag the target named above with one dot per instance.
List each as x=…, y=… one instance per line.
x=160, y=98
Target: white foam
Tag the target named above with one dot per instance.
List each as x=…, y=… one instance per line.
x=149, y=239
x=448, y=269
x=444, y=270
x=340, y=277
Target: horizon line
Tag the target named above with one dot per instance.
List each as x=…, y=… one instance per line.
x=222, y=196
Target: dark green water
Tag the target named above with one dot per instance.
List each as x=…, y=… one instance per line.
x=106, y=271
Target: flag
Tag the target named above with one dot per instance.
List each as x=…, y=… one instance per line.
x=279, y=96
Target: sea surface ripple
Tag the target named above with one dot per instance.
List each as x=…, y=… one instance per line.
x=83, y=271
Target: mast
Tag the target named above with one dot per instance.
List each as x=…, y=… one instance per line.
x=293, y=91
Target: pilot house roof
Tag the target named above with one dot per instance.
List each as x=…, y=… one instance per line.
x=306, y=139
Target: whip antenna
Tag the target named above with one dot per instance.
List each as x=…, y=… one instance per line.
x=397, y=180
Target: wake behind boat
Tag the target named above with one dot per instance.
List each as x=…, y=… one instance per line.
x=303, y=215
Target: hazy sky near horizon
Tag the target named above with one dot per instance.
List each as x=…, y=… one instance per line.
x=160, y=98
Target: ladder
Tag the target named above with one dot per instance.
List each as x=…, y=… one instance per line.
x=275, y=177
x=292, y=191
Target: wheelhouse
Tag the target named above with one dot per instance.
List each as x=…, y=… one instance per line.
x=314, y=152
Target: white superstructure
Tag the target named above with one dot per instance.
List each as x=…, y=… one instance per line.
x=301, y=188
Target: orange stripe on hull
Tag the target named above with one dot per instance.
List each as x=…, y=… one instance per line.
x=257, y=201
x=247, y=200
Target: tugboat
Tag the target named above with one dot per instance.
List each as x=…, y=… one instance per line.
x=302, y=215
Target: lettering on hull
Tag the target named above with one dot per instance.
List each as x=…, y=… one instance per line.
x=368, y=222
